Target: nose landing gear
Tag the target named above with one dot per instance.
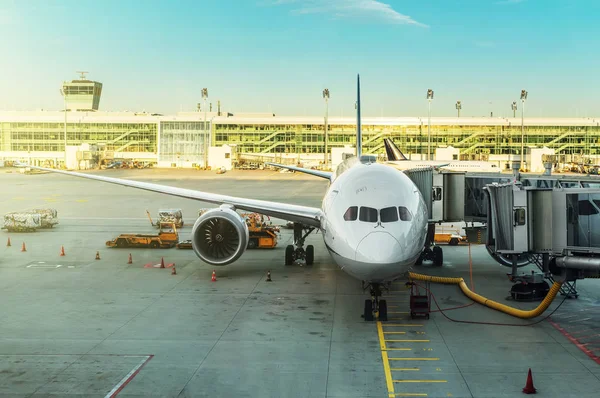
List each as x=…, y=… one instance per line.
x=431, y=252
x=296, y=252
x=375, y=309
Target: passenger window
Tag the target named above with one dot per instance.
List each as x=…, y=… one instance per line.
x=389, y=214
x=351, y=213
x=368, y=214
x=404, y=214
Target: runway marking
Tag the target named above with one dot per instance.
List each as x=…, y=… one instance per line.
x=573, y=340
x=123, y=383
x=407, y=341
x=386, y=362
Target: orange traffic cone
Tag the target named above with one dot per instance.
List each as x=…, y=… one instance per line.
x=62, y=250
x=8, y=243
x=162, y=262
x=130, y=259
x=97, y=255
x=214, y=276
x=23, y=249
x=269, y=276
x=529, y=388
x=173, y=272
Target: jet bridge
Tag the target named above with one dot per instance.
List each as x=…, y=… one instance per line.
x=550, y=221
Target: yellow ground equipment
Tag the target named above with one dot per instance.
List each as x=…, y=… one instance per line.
x=168, y=216
x=262, y=236
x=450, y=235
x=167, y=237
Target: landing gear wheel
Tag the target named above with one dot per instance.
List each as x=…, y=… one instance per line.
x=438, y=256
x=310, y=254
x=154, y=245
x=289, y=255
x=368, y=313
x=453, y=242
x=383, y=310
x=252, y=244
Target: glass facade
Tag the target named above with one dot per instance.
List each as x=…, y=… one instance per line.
x=183, y=142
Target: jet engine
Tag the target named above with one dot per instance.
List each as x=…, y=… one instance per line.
x=220, y=236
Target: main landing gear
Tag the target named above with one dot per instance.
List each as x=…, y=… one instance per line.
x=375, y=309
x=429, y=253
x=296, y=251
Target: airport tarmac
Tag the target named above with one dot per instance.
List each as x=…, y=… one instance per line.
x=76, y=326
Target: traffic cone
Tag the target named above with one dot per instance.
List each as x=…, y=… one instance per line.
x=269, y=276
x=23, y=249
x=162, y=262
x=214, y=276
x=8, y=243
x=173, y=272
x=130, y=259
x=62, y=250
x=97, y=255
x=529, y=388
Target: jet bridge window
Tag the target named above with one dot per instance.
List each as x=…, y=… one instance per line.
x=351, y=213
x=389, y=214
x=404, y=213
x=368, y=214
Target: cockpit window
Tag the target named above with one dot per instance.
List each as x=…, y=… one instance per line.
x=368, y=214
x=404, y=214
x=351, y=213
x=389, y=214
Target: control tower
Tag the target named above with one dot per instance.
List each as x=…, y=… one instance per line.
x=82, y=94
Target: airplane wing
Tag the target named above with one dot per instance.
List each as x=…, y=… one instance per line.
x=318, y=173
x=301, y=214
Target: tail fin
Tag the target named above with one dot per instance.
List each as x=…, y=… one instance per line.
x=393, y=152
x=358, y=122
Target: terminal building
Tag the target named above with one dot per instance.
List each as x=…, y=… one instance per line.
x=230, y=139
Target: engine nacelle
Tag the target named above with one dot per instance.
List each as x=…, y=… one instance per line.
x=220, y=236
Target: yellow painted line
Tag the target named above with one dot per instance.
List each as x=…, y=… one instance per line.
x=404, y=369
x=420, y=381
x=407, y=341
x=400, y=324
x=386, y=362
x=414, y=359
x=394, y=332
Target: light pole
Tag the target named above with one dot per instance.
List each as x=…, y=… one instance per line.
x=513, y=106
x=458, y=107
x=523, y=98
x=326, y=97
x=205, y=96
x=63, y=93
x=429, y=99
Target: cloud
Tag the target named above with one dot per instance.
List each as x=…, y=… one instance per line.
x=510, y=1
x=371, y=9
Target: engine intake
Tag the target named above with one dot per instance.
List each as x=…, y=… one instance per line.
x=220, y=236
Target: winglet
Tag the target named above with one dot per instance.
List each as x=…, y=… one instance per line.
x=358, y=121
x=392, y=151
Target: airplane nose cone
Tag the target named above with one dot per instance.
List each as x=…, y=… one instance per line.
x=378, y=247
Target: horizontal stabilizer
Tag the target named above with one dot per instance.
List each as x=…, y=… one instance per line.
x=318, y=173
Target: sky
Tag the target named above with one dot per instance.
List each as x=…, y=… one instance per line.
x=278, y=55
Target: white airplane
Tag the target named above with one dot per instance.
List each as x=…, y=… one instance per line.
x=397, y=159
x=373, y=219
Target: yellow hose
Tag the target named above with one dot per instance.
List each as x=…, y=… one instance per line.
x=492, y=304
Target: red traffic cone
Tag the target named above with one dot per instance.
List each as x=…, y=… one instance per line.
x=214, y=276
x=269, y=276
x=97, y=255
x=173, y=272
x=62, y=250
x=8, y=243
x=529, y=388
x=162, y=262
x=130, y=259
x=23, y=249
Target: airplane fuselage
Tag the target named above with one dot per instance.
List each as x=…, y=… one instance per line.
x=374, y=221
